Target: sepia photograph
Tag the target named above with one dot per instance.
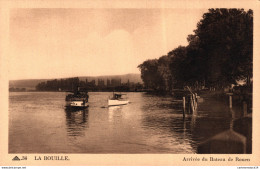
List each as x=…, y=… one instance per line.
x=125, y=84
x=131, y=81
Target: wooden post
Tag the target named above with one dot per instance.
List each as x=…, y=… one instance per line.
x=245, y=108
x=194, y=98
x=196, y=101
x=188, y=104
x=183, y=102
x=230, y=101
x=191, y=103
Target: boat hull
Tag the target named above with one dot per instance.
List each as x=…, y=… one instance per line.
x=117, y=102
x=76, y=104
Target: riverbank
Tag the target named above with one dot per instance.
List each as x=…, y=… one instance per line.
x=238, y=112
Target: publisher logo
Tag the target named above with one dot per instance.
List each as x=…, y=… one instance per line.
x=16, y=158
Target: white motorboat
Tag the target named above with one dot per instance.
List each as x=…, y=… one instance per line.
x=117, y=100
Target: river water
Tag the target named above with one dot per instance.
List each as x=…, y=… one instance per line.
x=38, y=123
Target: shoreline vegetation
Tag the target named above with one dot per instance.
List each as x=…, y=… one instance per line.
x=218, y=57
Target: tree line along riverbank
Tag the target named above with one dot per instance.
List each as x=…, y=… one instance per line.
x=219, y=55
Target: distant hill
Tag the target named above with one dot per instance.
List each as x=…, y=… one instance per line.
x=31, y=83
x=27, y=83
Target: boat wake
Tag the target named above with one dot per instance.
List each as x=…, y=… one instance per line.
x=104, y=107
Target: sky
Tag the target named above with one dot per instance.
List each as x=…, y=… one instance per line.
x=57, y=43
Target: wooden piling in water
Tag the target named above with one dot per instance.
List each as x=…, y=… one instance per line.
x=192, y=101
x=195, y=101
x=230, y=101
x=191, y=104
x=184, y=106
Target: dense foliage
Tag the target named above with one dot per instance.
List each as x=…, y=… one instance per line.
x=219, y=53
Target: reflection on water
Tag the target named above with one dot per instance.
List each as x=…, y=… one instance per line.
x=114, y=112
x=77, y=122
x=38, y=123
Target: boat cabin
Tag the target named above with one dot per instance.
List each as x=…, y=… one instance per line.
x=77, y=96
x=117, y=96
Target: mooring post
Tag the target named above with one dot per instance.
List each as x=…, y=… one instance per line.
x=230, y=101
x=245, y=108
x=184, y=104
x=196, y=101
x=191, y=103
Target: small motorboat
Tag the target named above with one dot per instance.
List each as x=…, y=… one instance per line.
x=117, y=100
x=77, y=100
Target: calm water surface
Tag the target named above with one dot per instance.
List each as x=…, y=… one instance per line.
x=149, y=124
